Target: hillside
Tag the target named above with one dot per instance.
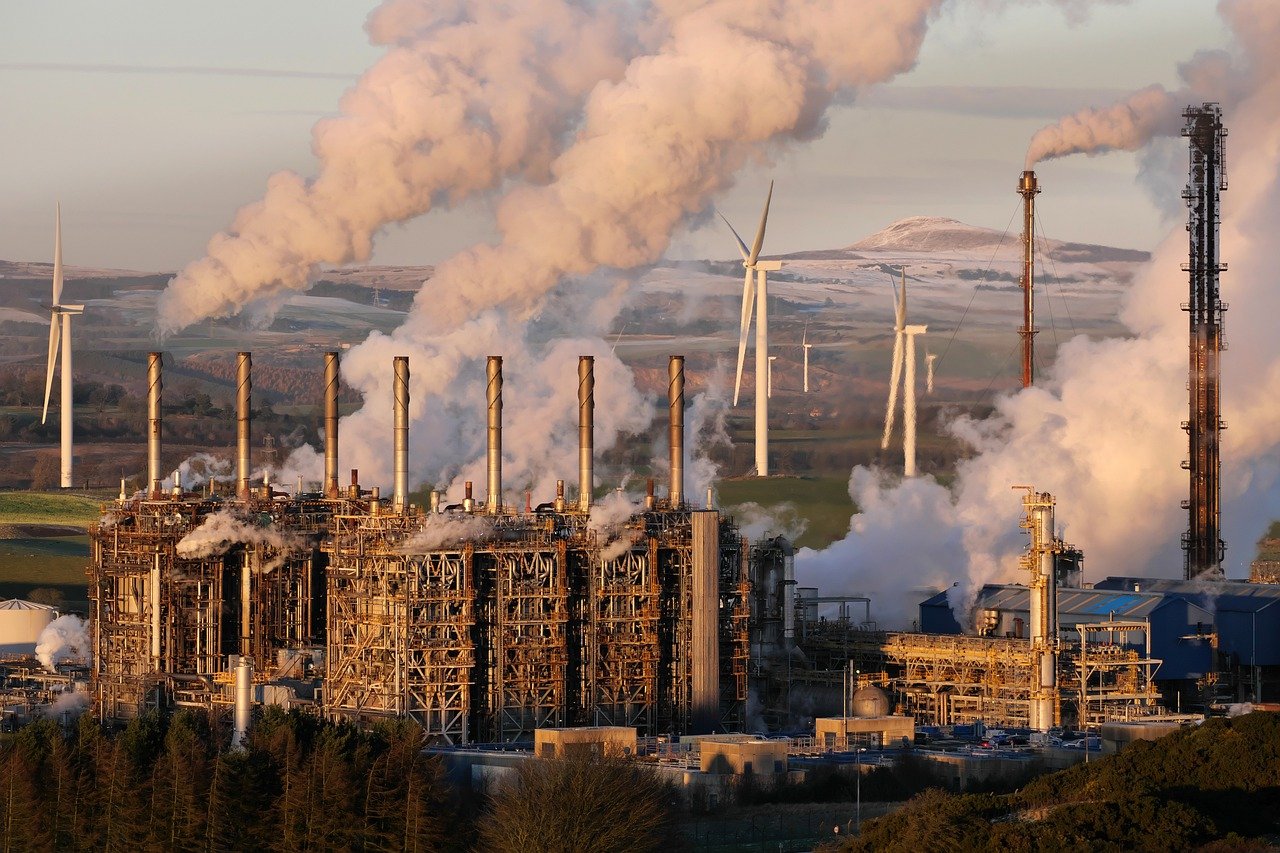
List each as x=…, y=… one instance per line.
x=1218, y=782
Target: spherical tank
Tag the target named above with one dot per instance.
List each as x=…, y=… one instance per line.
x=870, y=701
x=20, y=625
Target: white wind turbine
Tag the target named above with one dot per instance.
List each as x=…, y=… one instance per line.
x=904, y=362
x=60, y=332
x=755, y=293
x=806, y=346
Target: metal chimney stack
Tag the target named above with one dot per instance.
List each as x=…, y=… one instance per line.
x=586, y=429
x=400, y=497
x=155, y=386
x=1028, y=188
x=493, y=370
x=244, y=398
x=331, y=425
x=675, y=403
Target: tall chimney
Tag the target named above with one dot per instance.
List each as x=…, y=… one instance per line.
x=1027, y=188
x=244, y=395
x=155, y=385
x=331, y=425
x=675, y=402
x=586, y=429
x=400, y=497
x=493, y=502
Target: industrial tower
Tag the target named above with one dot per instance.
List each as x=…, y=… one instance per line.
x=1202, y=542
x=1028, y=188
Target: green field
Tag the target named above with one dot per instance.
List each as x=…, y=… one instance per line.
x=48, y=508
x=29, y=561
x=823, y=501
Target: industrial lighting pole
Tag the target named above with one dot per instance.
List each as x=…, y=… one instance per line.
x=857, y=760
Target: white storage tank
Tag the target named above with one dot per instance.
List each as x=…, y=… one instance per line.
x=20, y=625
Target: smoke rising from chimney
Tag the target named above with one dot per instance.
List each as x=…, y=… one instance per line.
x=1102, y=429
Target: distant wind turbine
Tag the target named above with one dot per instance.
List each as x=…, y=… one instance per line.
x=755, y=294
x=60, y=332
x=929, y=359
x=904, y=362
x=806, y=346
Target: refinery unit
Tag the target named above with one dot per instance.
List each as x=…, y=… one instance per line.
x=488, y=622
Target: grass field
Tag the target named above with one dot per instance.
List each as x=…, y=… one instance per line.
x=823, y=501
x=58, y=562
x=48, y=508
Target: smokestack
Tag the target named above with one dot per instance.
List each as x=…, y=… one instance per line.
x=244, y=394
x=1027, y=188
x=468, y=503
x=493, y=370
x=155, y=385
x=400, y=497
x=586, y=429
x=243, y=701
x=331, y=425
x=675, y=402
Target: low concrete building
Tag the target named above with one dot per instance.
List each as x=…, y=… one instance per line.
x=740, y=755
x=585, y=741
x=1116, y=736
x=874, y=732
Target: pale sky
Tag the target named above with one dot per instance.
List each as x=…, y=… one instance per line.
x=153, y=121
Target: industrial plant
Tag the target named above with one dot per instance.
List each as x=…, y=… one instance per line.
x=488, y=621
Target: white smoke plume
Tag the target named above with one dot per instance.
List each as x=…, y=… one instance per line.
x=64, y=640
x=199, y=469
x=71, y=702
x=442, y=530
x=221, y=531
x=468, y=95
x=608, y=520
x=1101, y=429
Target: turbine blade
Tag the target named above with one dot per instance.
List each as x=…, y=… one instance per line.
x=903, y=296
x=899, y=308
x=57, y=254
x=895, y=379
x=764, y=218
x=742, y=247
x=55, y=326
x=748, y=305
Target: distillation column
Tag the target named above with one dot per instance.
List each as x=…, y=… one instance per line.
x=1202, y=542
x=1043, y=584
x=1027, y=188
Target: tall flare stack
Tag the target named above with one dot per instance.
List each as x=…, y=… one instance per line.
x=675, y=403
x=400, y=496
x=331, y=425
x=1204, y=547
x=1028, y=188
x=244, y=416
x=586, y=429
x=493, y=396
x=155, y=387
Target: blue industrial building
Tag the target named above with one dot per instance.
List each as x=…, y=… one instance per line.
x=1197, y=627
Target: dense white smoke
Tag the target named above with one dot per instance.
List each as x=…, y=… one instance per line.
x=70, y=702
x=223, y=530
x=65, y=639
x=1101, y=429
x=608, y=519
x=468, y=95
x=438, y=531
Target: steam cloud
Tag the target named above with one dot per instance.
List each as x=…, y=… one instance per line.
x=65, y=639
x=440, y=530
x=1101, y=429
x=223, y=530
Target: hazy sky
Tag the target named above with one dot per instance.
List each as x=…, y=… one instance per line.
x=153, y=121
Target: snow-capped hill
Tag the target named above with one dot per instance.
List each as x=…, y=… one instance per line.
x=927, y=234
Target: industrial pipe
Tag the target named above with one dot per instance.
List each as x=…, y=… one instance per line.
x=244, y=394
x=155, y=385
x=243, y=701
x=493, y=371
x=400, y=495
x=586, y=429
x=331, y=425
x=675, y=403
x=1027, y=188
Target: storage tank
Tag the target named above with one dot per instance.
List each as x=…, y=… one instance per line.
x=870, y=701
x=20, y=625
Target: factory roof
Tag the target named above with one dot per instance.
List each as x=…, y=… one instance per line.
x=1091, y=604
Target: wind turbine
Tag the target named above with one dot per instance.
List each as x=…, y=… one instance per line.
x=60, y=332
x=755, y=294
x=772, y=359
x=929, y=359
x=904, y=362
x=806, y=346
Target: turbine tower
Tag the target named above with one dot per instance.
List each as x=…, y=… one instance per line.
x=60, y=333
x=929, y=359
x=769, y=393
x=904, y=362
x=755, y=294
x=806, y=346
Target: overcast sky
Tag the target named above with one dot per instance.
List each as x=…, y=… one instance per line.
x=153, y=121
